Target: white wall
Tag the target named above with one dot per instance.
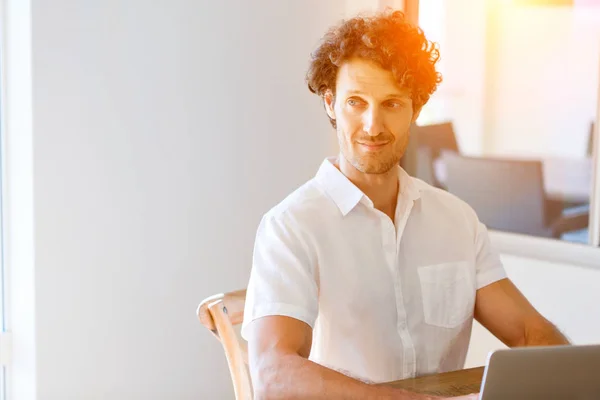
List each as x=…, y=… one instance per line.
x=355, y=7
x=17, y=197
x=161, y=132
x=565, y=294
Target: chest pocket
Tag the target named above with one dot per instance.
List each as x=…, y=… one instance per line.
x=448, y=293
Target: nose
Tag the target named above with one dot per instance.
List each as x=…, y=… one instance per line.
x=372, y=122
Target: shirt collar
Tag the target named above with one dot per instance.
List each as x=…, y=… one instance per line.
x=346, y=195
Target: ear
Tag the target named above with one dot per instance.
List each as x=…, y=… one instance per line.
x=329, y=100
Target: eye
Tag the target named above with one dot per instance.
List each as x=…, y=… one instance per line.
x=394, y=104
x=354, y=102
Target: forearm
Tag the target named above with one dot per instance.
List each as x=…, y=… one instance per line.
x=295, y=377
x=543, y=334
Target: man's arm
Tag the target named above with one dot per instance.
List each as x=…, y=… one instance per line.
x=278, y=350
x=508, y=315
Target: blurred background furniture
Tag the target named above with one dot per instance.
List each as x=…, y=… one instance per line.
x=509, y=195
x=425, y=146
x=567, y=181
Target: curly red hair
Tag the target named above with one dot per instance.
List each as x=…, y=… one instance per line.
x=389, y=40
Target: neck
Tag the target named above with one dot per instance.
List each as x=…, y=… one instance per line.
x=382, y=189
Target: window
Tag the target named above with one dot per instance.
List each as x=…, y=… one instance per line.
x=510, y=129
x=4, y=344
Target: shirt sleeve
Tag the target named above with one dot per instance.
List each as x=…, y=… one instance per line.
x=489, y=268
x=283, y=277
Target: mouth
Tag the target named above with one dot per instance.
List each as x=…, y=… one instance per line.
x=371, y=146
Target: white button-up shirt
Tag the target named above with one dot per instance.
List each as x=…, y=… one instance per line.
x=386, y=301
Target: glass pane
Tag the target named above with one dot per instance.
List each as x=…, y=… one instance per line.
x=509, y=129
x=3, y=388
x=3, y=327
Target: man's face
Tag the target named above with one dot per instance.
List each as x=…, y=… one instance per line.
x=373, y=116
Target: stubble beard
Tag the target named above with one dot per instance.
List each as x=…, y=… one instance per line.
x=379, y=162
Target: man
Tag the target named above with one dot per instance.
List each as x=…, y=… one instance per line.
x=365, y=275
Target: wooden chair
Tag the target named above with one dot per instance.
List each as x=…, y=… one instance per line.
x=223, y=314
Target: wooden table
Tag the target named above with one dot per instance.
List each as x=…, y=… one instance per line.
x=456, y=383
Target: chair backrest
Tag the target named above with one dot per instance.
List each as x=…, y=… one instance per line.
x=223, y=315
x=436, y=137
x=425, y=146
x=424, y=167
x=409, y=158
x=507, y=195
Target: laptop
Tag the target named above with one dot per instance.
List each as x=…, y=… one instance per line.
x=549, y=372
